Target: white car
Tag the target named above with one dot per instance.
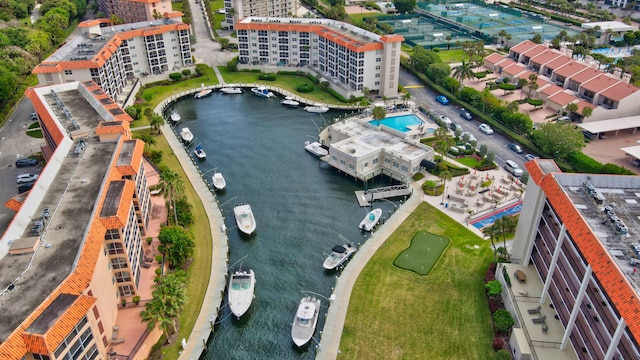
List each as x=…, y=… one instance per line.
x=486, y=129
x=471, y=137
x=26, y=178
x=445, y=120
x=530, y=157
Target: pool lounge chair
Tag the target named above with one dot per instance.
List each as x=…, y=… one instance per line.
x=536, y=310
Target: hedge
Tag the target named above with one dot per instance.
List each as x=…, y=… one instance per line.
x=267, y=77
x=305, y=88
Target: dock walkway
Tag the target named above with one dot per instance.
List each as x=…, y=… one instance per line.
x=366, y=197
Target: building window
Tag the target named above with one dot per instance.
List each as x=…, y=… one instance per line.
x=342, y=162
x=112, y=234
x=352, y=167
x=68, y=72
x=40, y=357
x=377, y=83
x=375, y=161
x=395, y=164
x=126, y=290
x=115, y=248
x=123, y=276
x=378, y=59
x=119, y=263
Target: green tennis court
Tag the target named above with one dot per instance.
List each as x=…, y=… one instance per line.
x=423, y=253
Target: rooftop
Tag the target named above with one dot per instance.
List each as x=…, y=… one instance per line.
x=27, y=280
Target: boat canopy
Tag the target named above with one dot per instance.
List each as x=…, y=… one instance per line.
x=306, y=311
x=339, y=249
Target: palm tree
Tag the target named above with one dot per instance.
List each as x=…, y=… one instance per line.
x=572, y=108
x=507, y=224
x=173, y=187
x=169, y=298
x=378, y=114
x=492, y=232
x=463, y=71
x=156, y=121
x=443, y=141
x=533, y=84
x=445, y=176
x=384, y=99
x=522, y=83
x=502, y=34
x=513, y=106
x=148, y=140
x=448, y=38
x=405, y=98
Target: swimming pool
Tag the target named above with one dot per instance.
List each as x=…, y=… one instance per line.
x=491, y=218
x=399, y=123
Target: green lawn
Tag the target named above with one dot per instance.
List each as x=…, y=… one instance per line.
x=423, y=253
x=470, y=161
x=200, y=269
x=451, y=56
x=397, y=314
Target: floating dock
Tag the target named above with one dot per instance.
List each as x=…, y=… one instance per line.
x=365, y=198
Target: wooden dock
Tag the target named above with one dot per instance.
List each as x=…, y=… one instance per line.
x=365, y=198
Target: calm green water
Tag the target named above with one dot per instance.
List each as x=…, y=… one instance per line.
x=301, y=206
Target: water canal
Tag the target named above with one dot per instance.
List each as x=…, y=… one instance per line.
x=301, y=205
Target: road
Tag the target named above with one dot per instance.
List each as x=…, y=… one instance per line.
x=425, y=97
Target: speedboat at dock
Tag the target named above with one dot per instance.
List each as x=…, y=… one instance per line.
x=199, y=152
x=231, y=90
x=339, y=255
x=289, y=102
x=304, y=324
x=186, y=135
x=241, y=291
x=262, y=92
x=315, y=148
x=218, y=181
x=316, y=109
x=370, y=220
x=203, y=93
x=244, y=218
x=175, y=117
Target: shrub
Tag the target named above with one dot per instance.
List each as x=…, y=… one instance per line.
x=201, y=69
x=186, y=72
x=494, y=288
x=149, y=240
x=418, y=176
x=158, y=271
x=305, y=88
x=324, y=85
x=535, y=102
x=503, y=354
x=232, y=65
x=255, y=70
x=267, y=77
x=502, y=320
x=175, y=76
x=159, y=258
x=507, y=87
x=337, y=96
x=136, y=299
x=498, y=344
x=480, y=75
x=436, y=50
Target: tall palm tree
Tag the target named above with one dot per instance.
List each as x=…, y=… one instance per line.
x=406, y=96
x=444, y=176
x=492, y=232
x=507, y=224
x=378, y=114
x=169, y=298
x=463, y=71
x=443, y=141
x=156, y=121
x=173, y=187
x=513, y=106
x=533, y=84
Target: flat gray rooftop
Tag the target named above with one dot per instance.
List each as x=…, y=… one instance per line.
x=620, y=194
x=71, y=200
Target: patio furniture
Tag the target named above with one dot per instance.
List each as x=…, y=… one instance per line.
x=540, y=320
x=535, y=311
x=545, y=328
x=520, y=275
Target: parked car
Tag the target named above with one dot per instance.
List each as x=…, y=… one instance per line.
x=445, y=121
x=26, y=162
x=466, y=114
x=486, y=129
x=515, y=148
x=455, y=127
x=471, y=137
x=442, y=99
x=25, y=187
x=530, y=157
x=26, y=178
x=513, y=168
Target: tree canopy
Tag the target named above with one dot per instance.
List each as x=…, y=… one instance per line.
x=421, y=58
x=404, y=6
x=178, y=243
x=559, y=139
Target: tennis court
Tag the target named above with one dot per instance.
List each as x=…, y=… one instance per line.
x=447, y=23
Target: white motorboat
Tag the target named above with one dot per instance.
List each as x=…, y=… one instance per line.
x=199, y=152
x=289, y=102
x=241, y=291
x=315, y=148
x=218, y=181
x=244, y=218
x=370, y=220
x=231, y=90
x=304, y=324
x=339, y=255
x=316, y=109
x=203, y=93
x=262, y=92
x=186, y=134
x=175, y=117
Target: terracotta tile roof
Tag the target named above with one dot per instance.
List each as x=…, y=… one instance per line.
x=583, y=104
x=570, y=68
x=506, y=62
x=55, y=131
x=94, y=22
x=546, y=56
x=351, y=43
x=112, y=127
x=494, y=58
x=107, y=50
x=525, y=74
x=513, y=69
x=611, y=279
x=585, y=75
x=535, y=51
x=136, y=159
x=524, y=46
x=599, y=83
x=392, y=38
x=558, y=62
x=619, y=91
x=562, y=98
x=551, y=89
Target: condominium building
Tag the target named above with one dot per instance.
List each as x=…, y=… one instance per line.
x=132, y=11
x=348, y=57
x=563, y=80
x=364, y=151
x=577, y=237
x=239, y=9
x=116, y=56
x=73, y=250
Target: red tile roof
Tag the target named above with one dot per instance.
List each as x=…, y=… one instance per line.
x=584, y=75
x=619, y=91
x=494, y=58
x=535, y=51
x=524, y=46
x=562, y=98
x=513, y=69
x=551, y=89
x=546, y=56
x=613, y=281
x=599, y=83
x=558, y=62
x=570, y=68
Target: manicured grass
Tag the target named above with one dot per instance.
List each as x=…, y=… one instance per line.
x=177, y=6
x=200, y=269
x=452, y=56
x=355, y=18
x=470, y=161
x=287, y=82
x=423, y=253
x=397, y=314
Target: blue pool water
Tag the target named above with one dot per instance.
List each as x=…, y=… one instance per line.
x=491, y=218
x=399, y=123
x=431, y=130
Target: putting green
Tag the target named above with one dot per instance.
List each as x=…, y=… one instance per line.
x=423, y=253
